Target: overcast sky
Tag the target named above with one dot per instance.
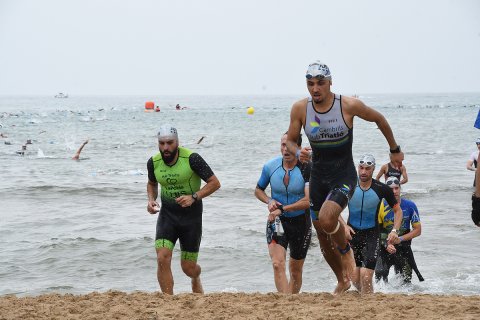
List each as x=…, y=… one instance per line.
x=237, y=47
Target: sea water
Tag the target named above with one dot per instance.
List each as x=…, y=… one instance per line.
x=79, y=226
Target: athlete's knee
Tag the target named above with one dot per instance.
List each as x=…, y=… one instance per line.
x=164, y=257
x=191, y=268
x=328, y=217
x=278, y=265
x=330, y=226
x=296, y=272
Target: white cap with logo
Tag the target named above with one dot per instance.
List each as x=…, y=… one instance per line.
x=167, y=131
x=318, y=70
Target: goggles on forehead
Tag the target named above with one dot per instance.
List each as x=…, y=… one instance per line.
x=393, y=182
x=319, y=71
x=367, y=163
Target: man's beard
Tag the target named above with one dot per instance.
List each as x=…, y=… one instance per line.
x=169, y=158
x=364, y=179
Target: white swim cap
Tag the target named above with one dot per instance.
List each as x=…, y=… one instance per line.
x=318, y=70
x=167, y=131
x=478, y=141
x=392, y=181
x=367, y=160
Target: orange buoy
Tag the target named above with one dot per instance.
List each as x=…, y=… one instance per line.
x=149, y=105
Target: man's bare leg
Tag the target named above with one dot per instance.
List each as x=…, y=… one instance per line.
x=164, y=270
x=296, y=272
x=278, y=256
x=366, y=279
x=356, y=279
x=193, y=270
x=332, y=256
x=328, y=220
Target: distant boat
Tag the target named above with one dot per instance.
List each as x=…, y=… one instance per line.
x=61, y=95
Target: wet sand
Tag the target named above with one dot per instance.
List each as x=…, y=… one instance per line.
x=141, y=305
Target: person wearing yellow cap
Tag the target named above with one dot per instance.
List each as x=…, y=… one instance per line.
x=327, y=119
x=179, y=172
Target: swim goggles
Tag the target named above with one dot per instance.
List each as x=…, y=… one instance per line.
x=318, y=70
x=392, y=180
x=367, y=160
x=368, y=163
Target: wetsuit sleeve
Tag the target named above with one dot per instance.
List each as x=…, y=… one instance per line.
x=200, y=167
x=151, y=174
x=306, y=169
x=389, y=196
x=264, y=180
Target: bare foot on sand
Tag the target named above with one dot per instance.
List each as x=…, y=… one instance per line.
x=342, y=287
x=197, y=285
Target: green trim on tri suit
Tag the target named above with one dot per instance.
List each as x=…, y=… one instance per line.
x=164, y=243
x=191, y=256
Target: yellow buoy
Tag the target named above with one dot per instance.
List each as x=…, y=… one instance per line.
x=250, y=110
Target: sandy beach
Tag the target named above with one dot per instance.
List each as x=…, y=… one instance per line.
x=140, y=305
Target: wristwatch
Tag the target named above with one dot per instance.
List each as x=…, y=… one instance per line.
x=195, y=197
x=396, y=150
x=280, y=207
x=394, y=230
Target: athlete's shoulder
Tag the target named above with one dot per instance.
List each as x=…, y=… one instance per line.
x=302, y=102
x=300, y=105
x=184, y=152
x=408, y=204
x=348, y=101
x=157, y=157
x=274, y=162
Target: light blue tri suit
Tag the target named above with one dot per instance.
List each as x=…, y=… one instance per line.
x=273, y=174
x=296, y=224
x=363, y=218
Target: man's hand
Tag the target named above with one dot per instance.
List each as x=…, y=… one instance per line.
x=273, y=205
x=273, y=214
x=185, y=201
x=153, y=207
x=476, y=210
x=392, y=238
x=305, y=154
x=391, y=249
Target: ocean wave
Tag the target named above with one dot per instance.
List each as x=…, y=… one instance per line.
x=439, y=188
x=72, y=190
x=57, y=242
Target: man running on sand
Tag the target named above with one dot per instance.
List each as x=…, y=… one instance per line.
x=327, y=120
x=179, y=171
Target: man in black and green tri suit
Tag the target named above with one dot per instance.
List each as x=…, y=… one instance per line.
x=179, y=171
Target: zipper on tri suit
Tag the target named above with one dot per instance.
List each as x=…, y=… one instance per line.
x=361, y=210
x=286, y=186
